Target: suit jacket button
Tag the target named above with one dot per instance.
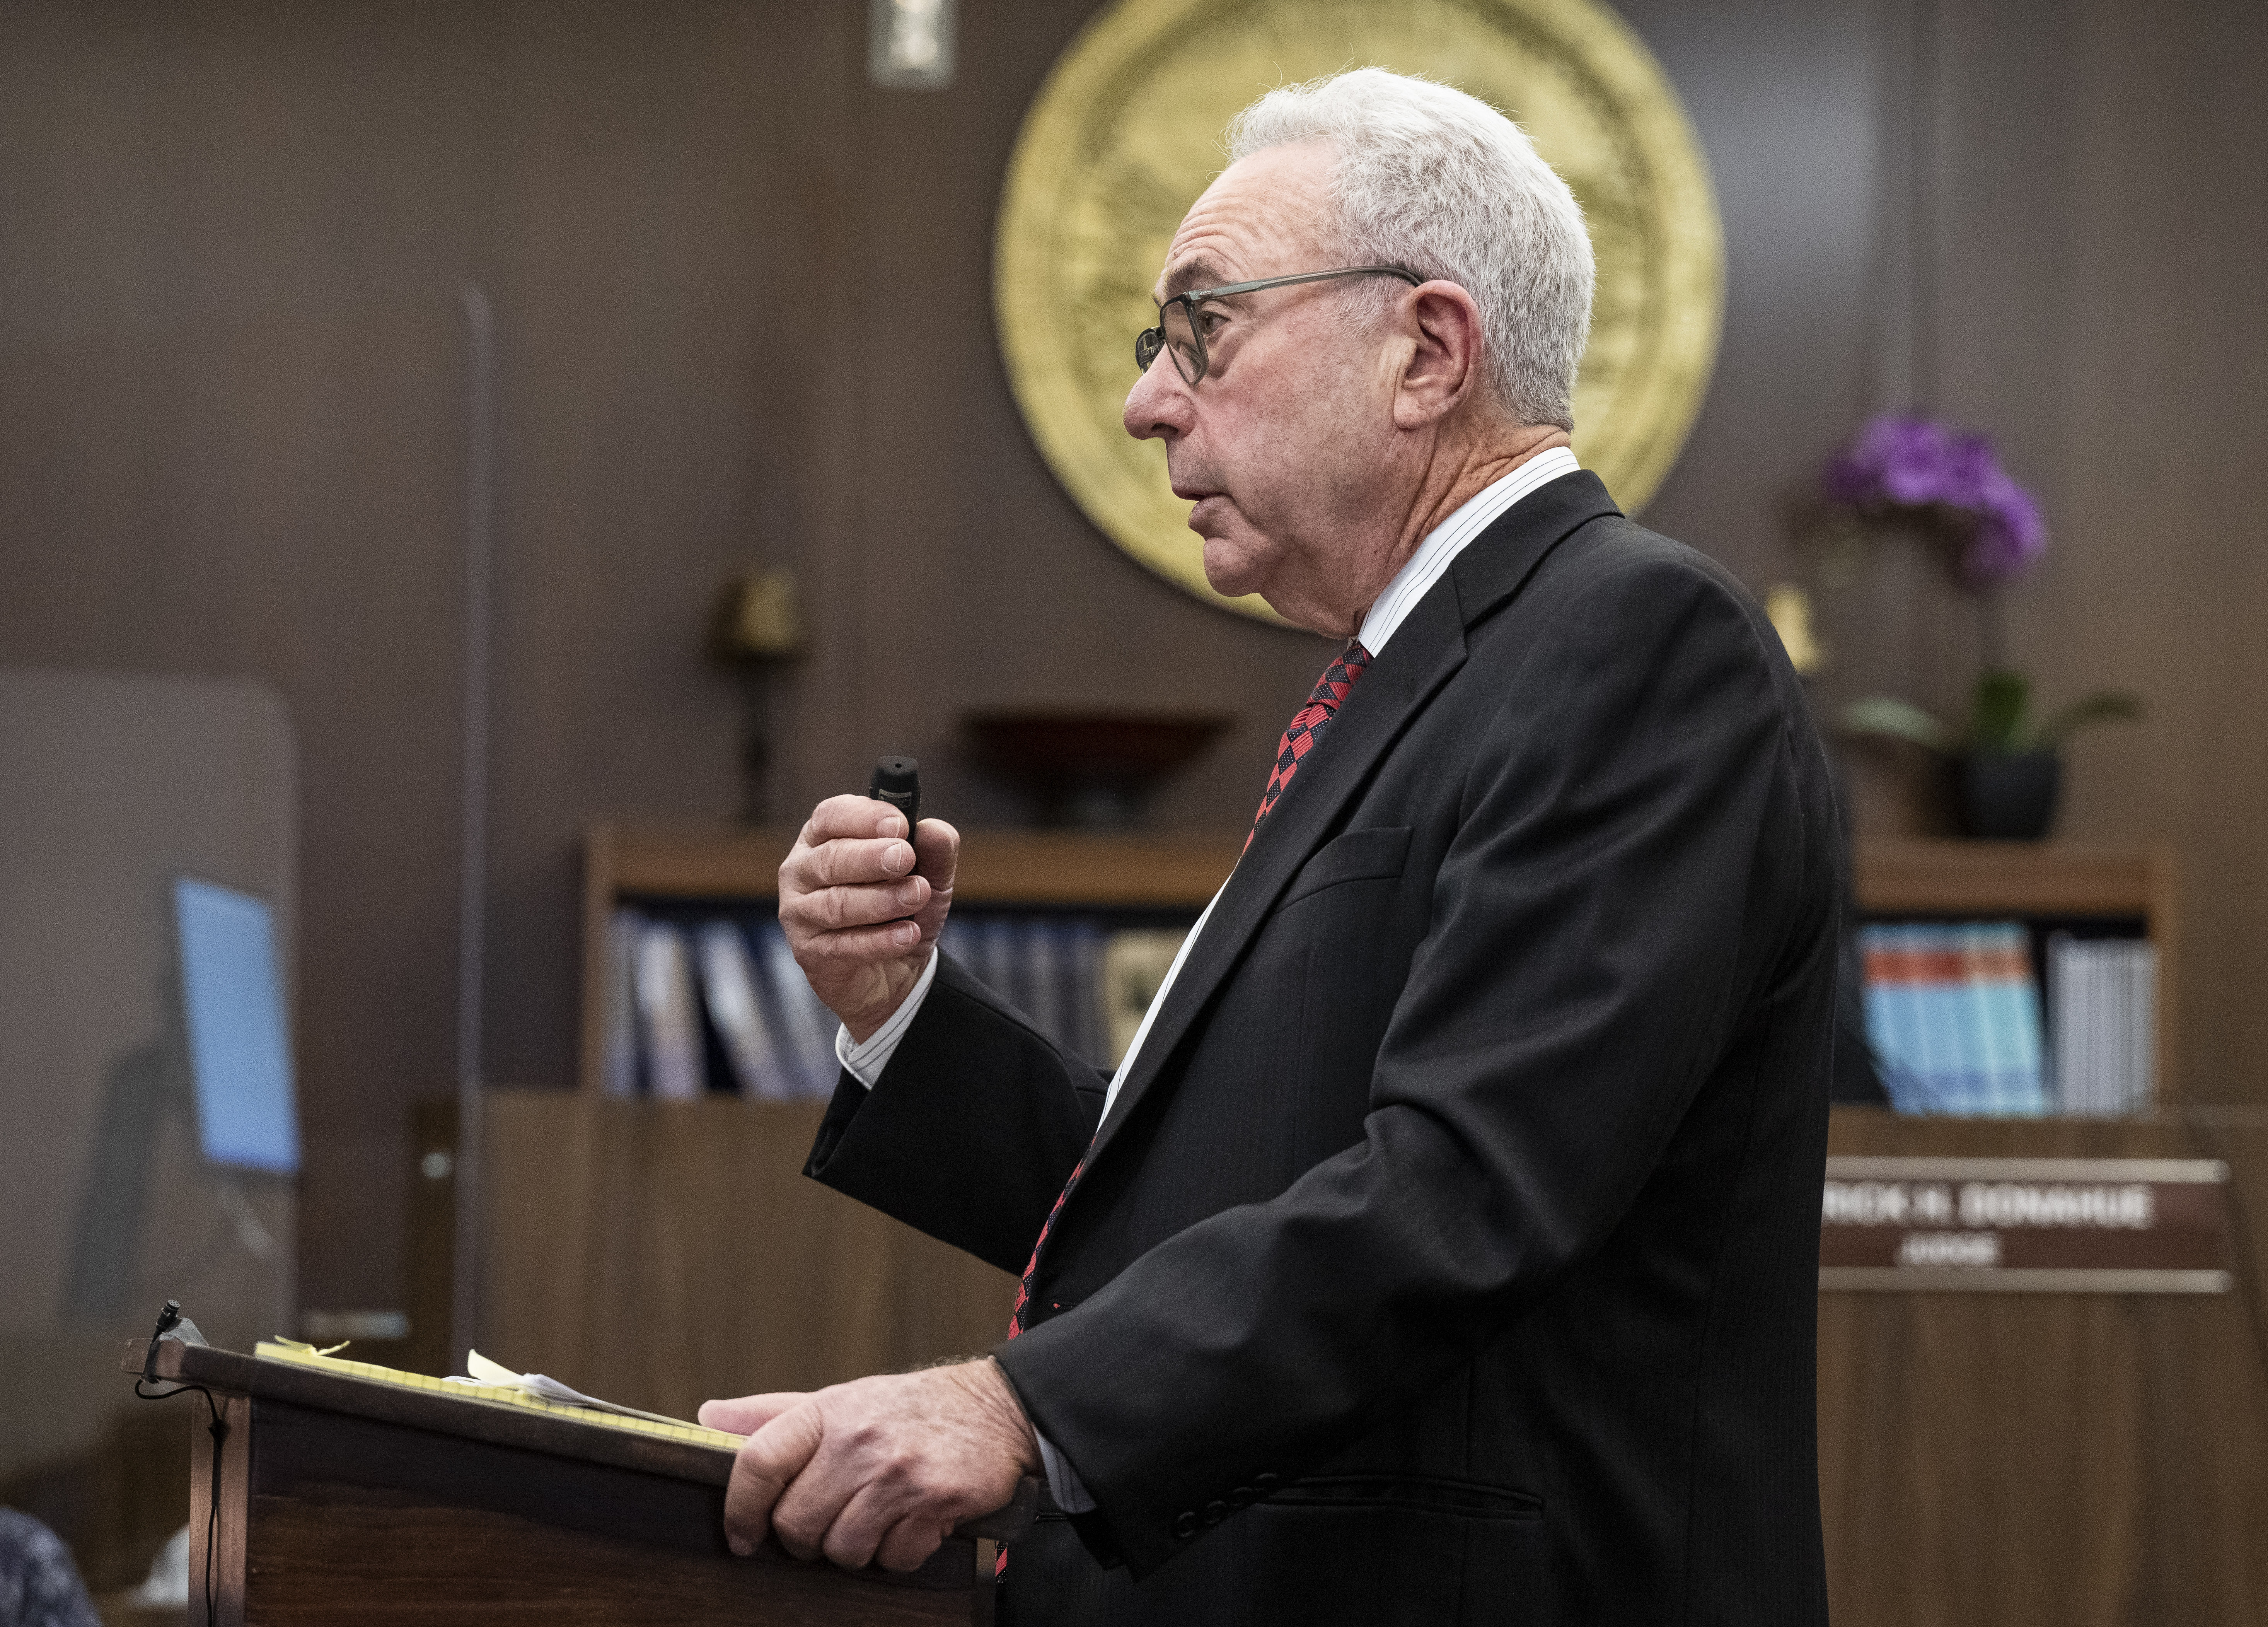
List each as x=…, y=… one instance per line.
x=1213, y=1513
x=1266, y=1482
x=1187, y=1525
x=1243, y=1497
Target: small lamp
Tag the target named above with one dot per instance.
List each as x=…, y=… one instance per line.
x=757, y=626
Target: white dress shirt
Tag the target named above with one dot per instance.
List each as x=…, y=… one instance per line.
x=1443, y=543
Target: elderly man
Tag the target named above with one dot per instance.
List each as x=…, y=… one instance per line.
x=1444, y=1249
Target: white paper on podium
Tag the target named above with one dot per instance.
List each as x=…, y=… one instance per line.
x=496, y=1373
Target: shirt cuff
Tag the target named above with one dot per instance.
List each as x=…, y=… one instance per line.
x=865, y=1063
x=1063, y=1484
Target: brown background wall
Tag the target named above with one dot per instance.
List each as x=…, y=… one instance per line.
x=744, y=318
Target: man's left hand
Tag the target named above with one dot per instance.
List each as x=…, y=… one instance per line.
x=880, y=1469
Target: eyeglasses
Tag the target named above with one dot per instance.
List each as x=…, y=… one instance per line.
x=1179, y=332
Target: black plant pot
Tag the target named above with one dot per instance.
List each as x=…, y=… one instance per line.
x=2009, y=796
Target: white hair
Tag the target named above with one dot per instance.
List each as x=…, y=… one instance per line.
x=1438, y=182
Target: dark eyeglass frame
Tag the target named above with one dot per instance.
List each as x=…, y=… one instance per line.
x=1149, y=341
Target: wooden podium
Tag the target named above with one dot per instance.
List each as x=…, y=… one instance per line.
x=343, y=1501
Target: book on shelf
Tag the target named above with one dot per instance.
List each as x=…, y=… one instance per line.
x=1953, y=1013
x=1959, y=1021
x=807, y=1026
x=1047, y=967
x=1133, y=968
x=2102, y=998
x=618, y=1064
x=668, y=1025
x=701, y=1001
x=728, y=990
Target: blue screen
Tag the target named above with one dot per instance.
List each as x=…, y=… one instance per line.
x=239, y=1045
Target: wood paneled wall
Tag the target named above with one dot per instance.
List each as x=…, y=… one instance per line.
x=744, y=317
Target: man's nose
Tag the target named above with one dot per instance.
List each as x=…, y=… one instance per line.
x=1159, y=404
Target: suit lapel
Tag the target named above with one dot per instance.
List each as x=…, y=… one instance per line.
x=1501, y=558
x=1426, y=650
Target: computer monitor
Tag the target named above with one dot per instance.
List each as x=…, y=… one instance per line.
x=240, y=1041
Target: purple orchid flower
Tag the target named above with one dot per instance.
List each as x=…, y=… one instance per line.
x=1916, y=463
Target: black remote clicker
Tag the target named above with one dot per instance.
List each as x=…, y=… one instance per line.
x=897, y=781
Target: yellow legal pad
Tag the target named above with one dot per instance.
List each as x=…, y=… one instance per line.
x=267, y=1350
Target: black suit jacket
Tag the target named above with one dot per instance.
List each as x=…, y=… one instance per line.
x=1450, y=1254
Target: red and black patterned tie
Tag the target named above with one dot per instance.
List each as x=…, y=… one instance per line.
x=1023, y=1302
x=1016, y=1318
x=1306, y=728
x=1308, y=723
x=1300, y=738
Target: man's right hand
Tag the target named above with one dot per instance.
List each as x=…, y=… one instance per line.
x=846, y=891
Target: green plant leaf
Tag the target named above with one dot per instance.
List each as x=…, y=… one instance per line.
x=1897, y=720
x=2105, y=705
x=1996, y=721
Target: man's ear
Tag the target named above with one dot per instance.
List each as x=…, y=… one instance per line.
x=1442, y=324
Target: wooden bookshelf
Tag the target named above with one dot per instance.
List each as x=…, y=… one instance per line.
x=2020, y=878
x=1954, y=879
x=1036, y=868
x=2034, y=881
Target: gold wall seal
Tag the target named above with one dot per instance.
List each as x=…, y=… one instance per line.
x=1127, y=132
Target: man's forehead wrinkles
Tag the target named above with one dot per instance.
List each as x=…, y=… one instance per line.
x=1195, y=272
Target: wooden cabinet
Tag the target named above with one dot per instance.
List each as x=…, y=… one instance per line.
x=2036, y=1458
x=2042, y=883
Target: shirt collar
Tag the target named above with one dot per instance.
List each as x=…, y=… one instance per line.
x=1445, y=540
